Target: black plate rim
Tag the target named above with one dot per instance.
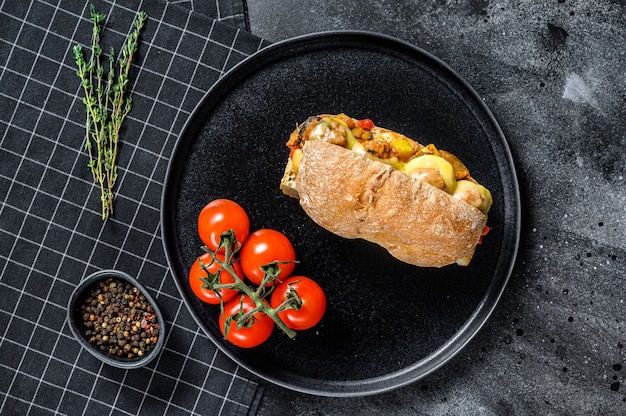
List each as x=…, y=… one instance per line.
x=489, y=301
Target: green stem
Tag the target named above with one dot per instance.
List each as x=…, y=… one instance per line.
x=99, y=130
x=82, y=73
x=260, y=305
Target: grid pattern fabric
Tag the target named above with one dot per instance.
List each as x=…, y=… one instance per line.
x=51, y=232
x=232, y=11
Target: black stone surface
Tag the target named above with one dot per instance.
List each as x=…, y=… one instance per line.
x=552, y=72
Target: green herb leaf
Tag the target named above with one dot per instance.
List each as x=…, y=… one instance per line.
x=105, y=114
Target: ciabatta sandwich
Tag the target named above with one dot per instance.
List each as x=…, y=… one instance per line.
x=358, y=180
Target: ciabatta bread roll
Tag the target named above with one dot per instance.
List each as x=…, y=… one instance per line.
x=386, y=200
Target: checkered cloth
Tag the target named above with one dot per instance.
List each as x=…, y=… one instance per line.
x=51, y=232
x=232, y=12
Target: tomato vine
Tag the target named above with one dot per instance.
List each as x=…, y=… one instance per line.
x=271, y=271
x=248, y=275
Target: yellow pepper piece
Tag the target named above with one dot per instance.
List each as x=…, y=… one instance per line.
x=402, y=148
x=296, y=158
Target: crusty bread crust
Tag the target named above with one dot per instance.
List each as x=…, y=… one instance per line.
x=355, y=197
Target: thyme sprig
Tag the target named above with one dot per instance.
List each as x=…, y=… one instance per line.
x=106, y=103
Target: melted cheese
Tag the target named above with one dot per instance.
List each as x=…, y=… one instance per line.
x=474, y=194
x=442, y=166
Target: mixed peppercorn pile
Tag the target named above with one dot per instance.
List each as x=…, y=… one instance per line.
x=119, y=320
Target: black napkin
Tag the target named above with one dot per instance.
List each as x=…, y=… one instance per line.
x=232, y=12
x=51, y=231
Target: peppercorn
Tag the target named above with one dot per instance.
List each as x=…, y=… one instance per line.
x=119, y=320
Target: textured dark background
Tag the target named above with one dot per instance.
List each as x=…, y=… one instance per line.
x=553, y=73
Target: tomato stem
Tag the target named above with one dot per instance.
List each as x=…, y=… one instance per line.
x=292, y=301
x=227, y=241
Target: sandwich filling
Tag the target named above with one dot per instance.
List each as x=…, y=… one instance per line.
x=436, y=167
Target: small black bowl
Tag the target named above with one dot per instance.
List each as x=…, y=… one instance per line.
x=75, y=320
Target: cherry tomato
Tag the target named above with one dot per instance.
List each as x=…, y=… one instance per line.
x=263, y=247
x=313, y=302
x=255, y=332
x=208, y=295
x=221, y=215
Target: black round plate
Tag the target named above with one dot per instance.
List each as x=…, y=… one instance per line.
x=387, y=323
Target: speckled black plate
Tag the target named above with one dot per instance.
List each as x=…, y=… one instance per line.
x=387, y=323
